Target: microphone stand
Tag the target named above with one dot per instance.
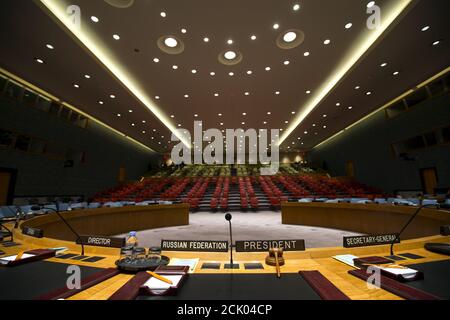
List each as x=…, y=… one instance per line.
x=68, y=225
x=407, y=224
x=231, y=265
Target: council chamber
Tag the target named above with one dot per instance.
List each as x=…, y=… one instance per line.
x=224, y=150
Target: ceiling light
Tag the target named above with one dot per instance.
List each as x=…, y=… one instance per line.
x=350, y=108
x=286, y=62
x=163, y=14
x=348, y=26
x=328, y=41
x=396, y=73
x=253, y=37
x=249, y=72
x=230, y=41
x=436, y=42
x=242, y=122
x=116, y=37
x=269, y=113
x=289, y=36
x=306, y=132
x=296, y=7
x=87, y=76
x=39, y=60
x=186, y=96
x=308, y=91
x=230, y=55
x=183, y=30
x=357, y=87
x=179, y=125
x=130, y=111
x=368, y=93
x=132, y=124
x=244, y=113
x=247, y=93
x=265, y=122
x=324, y=116
x=219, y=114
x=196, y=115
x=174, y=67
x=425, y=28
x=119, y=115
x=231, y=74
x=276, y=26
x=324, y=127
x=338, y=104
x=76, y=85
x=370, y=4
x=384, y=64
x=194, y=71
x=49, y=46
x=293, y=112
x=155, y=60
x=143, y=121
x=95, y=19
x=216, y=94
x=314, y=125
x=172, y=116
x=205, y=39
x=170, y=42
x=157, y=97
x=100, y=102
x=286, y=122
x=277, y=92
x=212, y=73
x=306, y=54
x=267, y=68
x=221, y=123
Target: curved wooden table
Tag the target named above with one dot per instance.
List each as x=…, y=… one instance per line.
x=365, y=218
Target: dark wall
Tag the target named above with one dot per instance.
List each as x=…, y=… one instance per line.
x=368, y=145
x=39, y=174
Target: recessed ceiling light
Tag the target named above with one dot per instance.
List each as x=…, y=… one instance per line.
x=39, y=61
x=230, y=55
x=249, y=72
x=396, y=73
x=49, y=46
x=172, y=116
x=179, y=124
x=244, y=113
x=293, y=112
x=230, y=41
x=289, y=36
x=286, y=122
x=216, y=94
x=384, y=64
x=242, y=122
x=306, y=132
x=277, y=92
x=155, y=60
x=112, y=96
x=276, y=26
x=314, y=125
x=212, y=73
x=174, y=67
x=170, y=42
x=100, y=102
x=308, y=91
x=368, y=93
x=348, y=25
x=326, y=42
x=205, y=39
x=269, y=113
x=324, y=116
x=265, y=122
x=132, y=124
x=95, y=19
x=357, y=87
x=143, y=121
x=183, y=30
x=87, y=76
x=221, y=123
x=194, y=71
x=119, y=115
x=253, y=37
x=130, y=111
x=163, y=14
x=247, y=93
x=296, y=7
x=306, y=54
x=370, y=4
x=154, y=130
x=195, y=115
x=186, y=96
x=425, y=28
x=116, y=37
x=286, y=62
x=350, y=108
x=267, y=69
x=338, y=104
x=436, y=42
x=219, y=114
x=324, y=127
x=231, y=74
x=76, y=85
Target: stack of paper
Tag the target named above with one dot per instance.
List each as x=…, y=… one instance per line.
x=191, y=263
x=156, y=284
x=347, y=259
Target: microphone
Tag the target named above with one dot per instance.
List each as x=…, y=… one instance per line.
x=37, y=208
x=19, y=215
x=409, y=221
x=231, y=265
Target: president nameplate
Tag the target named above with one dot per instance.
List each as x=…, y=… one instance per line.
x=265, y=245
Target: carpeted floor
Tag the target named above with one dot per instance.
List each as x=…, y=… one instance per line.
x=265, y=225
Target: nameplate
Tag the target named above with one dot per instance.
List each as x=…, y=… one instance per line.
x=33, y=232
x=101, y=241
x=265, y=245
x=193, y=245
x=369, y=240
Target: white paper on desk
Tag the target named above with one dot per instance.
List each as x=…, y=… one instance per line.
x=191, y=263
x=398, y=270
x=13, y=258
x=156, y=284
x=347, y=259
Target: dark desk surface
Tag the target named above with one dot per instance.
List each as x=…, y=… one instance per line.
x=436, y=278
x=291, y=286
x=28, y=281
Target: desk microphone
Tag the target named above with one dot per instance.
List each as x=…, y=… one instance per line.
x=409, y=221
x=231, y=265
x=37, y=208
